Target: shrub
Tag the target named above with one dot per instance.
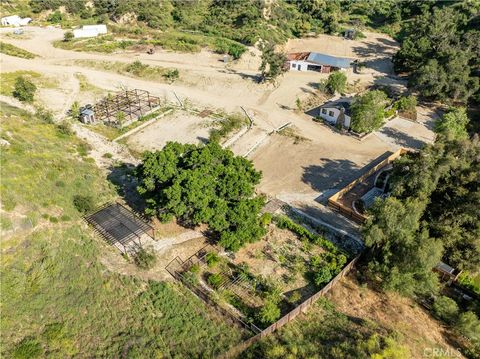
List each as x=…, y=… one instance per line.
x=446, y=309
x=171, y=75
x=44, y=115
x=68, y=36
x=24, y=89
x=75, y=110
x=215, y=280
x=322, y=276
x=407, y=103
x=136, y=68
x=469, y=326
x=295, y=297
x=269, y=313
x=337, y=81
x=145, y=259
x=84, y=204
x=55, y=18
x=65, y=128
x=212, y=259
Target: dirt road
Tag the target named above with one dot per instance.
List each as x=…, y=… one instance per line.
x=307, y=171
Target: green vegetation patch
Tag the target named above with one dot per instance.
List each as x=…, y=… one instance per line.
x=331, y=334
x=58, y=300
x=42, y=160
x=8, y=80
x=12, y=50
x=134, y=69
x=170, y=40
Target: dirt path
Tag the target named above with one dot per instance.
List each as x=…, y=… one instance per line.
x=101, y=146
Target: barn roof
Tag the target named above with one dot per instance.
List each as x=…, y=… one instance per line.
x=328, y=60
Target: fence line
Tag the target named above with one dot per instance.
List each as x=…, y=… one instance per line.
x=302, y=308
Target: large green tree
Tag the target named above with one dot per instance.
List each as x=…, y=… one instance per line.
x=439, y=50
x=401, y=253
x=273, y=62
x=368, y=111
x=204, y=184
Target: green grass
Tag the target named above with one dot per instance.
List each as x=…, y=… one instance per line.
x=170, y=40
x=135, y=69
x=42, y=169
x=58, y=300
x=327, y=333
x=226, y=125
x=12, y=50
x=7, y=81
x=85, y=85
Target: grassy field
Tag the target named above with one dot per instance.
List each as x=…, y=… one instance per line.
x=7, y=81
x=58, y=300
x=326, y=333
x=12, y=50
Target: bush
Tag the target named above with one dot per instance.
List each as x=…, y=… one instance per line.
x=469, y=326
x=269, y=313
x=212, y=259
x=65, y=128
x=322, y=277
x=337, y=81
x=446, y=309
x=84, y=204
x=24, y=89
x=145, y=259
x=215, y=280
x=44, y=115
x=68, y=36
x=136, y=68
x=55, y=18
x=171, y=75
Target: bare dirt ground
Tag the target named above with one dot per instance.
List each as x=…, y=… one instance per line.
x=180, y=126
x=299, y=172
x=418, y=330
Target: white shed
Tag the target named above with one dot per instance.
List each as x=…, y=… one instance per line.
x=79, y=33
x=15, y=20
x=101, y=29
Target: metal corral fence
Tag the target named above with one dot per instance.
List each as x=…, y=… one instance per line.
x=333, y=202
x=302, y=308
x=177, y=267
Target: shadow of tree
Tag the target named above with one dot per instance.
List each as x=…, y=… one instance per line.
x=123, y=178
x=402, y=139
x=255, y=78
x=330, y=174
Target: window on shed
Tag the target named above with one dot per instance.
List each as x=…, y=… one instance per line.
x=324, y=111
x=330, y=113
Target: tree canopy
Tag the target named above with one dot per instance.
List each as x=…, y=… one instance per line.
x=440, y=49
x=273, y=63
x=431, y=215
x=204, y=184
x=368, y=111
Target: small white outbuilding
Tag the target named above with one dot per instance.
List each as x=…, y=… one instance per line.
x=15, y=20
x=90, y=31
x=101, y=29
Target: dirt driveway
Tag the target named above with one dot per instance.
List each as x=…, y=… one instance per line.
x=180, y=126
